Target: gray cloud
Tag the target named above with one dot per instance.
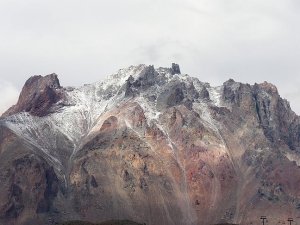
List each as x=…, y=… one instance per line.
x=9, y=95
x=249, y=41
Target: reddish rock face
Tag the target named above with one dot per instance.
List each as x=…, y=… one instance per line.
x=151, y=146
x=37, y=96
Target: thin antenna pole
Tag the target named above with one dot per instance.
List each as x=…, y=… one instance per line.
x=263, y=218
x=290, y=220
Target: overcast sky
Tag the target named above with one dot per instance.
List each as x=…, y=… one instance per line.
x=214, y=40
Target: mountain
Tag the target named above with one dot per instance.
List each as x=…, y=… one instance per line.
x=150, y=145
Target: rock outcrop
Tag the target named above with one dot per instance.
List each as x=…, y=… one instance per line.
x=37, y=96
x=175, y=69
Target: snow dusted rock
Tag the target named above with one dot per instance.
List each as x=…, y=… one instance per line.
x=151, y=145
x=145, y=80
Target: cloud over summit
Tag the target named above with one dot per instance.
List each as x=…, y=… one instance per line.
x=249, y=41
x=9, y=95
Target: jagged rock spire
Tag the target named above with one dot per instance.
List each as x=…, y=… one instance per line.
x=38, y=94
x=175, y=69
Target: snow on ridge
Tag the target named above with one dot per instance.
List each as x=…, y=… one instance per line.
x=36, y=132
x=83, y=106
x=80, y=111
x=207, y=119
x=119, y=78
x=215, y=95
x=149, y=109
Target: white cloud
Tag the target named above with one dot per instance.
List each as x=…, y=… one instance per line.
x=8, y=95
x=83, y=41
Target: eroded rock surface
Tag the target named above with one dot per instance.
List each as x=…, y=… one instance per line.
x=37, y=96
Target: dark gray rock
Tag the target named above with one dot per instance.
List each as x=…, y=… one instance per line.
x=175, y=69
x=146, y=79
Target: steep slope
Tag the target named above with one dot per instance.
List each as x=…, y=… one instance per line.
x=149, y=145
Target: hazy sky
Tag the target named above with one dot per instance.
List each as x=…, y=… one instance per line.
x=84, y=41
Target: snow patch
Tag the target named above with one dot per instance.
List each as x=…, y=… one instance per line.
x=215, y=95
x=293, y=157
x=205, y=115
x=149, y=109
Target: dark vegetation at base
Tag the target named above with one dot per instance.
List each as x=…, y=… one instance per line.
x=111, y=222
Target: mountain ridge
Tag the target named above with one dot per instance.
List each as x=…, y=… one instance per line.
x=151, y=145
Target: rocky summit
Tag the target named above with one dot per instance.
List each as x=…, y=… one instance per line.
x=149, y=145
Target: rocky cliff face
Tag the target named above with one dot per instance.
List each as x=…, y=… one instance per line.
x=149, y=145
x=37, y=96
